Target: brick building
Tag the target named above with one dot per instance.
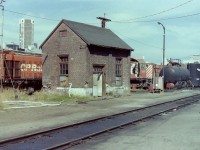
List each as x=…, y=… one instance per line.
x=93, y=59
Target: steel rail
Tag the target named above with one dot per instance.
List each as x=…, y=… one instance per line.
x=77, y=141
x=113, y=122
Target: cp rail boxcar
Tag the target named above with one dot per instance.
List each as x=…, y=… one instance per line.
x=20, y=69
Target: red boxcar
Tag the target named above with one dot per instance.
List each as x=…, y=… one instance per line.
x=20, y=69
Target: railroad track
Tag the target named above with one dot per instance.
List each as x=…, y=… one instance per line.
x=67, y=136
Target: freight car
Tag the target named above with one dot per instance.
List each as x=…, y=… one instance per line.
x=194, y=69
x=142, y=73
x=21, y=70
x=176, y=76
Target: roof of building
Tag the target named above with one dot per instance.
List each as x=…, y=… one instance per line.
x=140, y=60
x=93, y=35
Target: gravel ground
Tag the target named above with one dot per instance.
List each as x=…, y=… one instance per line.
x=177, y=130
x=26, y=119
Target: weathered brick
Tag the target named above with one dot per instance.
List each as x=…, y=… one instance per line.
x=82, y=57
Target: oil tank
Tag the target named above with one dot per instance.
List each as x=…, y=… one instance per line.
x=195, y=73
x=172, y=74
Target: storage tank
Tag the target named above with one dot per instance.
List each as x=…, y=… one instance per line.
x=172, y=74
x=195, y=73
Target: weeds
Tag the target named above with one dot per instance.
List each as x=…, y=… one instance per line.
x=10, y=94
x=1, y=105
x=42, y=96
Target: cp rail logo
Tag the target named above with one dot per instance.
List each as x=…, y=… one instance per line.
x=198, y=69
x=31, y=67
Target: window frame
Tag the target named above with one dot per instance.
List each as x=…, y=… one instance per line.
x=118, y=71
x=64, y=65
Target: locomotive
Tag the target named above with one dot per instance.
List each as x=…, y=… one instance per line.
x=21, y=69
x=176, y=75
x=142, y=73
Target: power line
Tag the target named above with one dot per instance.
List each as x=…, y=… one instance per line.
x=164, y=11
x=172, y=18
x=146, y=44
x=178, y=17
x=19, y=13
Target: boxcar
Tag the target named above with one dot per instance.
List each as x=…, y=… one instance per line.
x=194, y=69
x=21, y=69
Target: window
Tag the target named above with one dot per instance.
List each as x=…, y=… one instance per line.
x=63, y=33
x=118, y=72
x=64, y=65
x=118, y=67
x=64, y=71
x=97, y=69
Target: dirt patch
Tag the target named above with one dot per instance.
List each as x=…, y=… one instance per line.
x=26, y=104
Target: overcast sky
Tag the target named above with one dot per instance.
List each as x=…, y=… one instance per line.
x=135, y=21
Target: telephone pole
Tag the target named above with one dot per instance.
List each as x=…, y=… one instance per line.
x=163, y=54
x=103, y=20
x=1, y=63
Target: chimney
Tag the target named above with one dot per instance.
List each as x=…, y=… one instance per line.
x=103, y=21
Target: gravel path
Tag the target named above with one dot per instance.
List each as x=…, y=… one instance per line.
x=23, y=120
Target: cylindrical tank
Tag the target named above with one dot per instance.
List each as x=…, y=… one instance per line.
x=195, y=73
x=172, y=74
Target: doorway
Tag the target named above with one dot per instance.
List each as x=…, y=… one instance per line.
x=99, y=80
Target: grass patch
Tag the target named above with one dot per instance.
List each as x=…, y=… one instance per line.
x=11, y=94
x=53, y=97
x=6, y=94
x=1, y=105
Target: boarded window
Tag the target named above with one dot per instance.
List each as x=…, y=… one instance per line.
x=118, y=72
x=63, y=33
x=64, y=71
x=64, y=65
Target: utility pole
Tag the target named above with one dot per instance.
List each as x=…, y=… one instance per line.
x=103, y=20
x=1, y=63
x=163, y=54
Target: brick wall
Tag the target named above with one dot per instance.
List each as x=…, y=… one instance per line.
x=77, y=52
x=81, y=60
x=108, y=58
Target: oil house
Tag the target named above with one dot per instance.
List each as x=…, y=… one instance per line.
x=86, y=60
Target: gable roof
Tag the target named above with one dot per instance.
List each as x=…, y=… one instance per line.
x=97, y=36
